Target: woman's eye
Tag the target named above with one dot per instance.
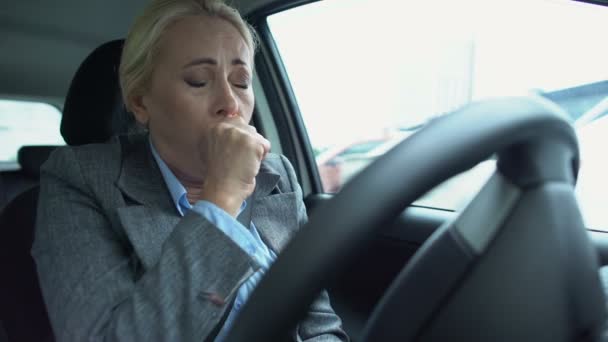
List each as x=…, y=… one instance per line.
x=241, y=80
x=196, y=84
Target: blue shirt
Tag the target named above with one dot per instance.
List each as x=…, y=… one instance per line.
x=247, y=238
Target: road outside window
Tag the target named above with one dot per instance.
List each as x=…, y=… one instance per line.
x=369, y=73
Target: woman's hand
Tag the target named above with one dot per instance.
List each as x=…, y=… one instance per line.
x=231, y=153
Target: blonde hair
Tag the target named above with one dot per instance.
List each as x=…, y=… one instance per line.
x=141, y=44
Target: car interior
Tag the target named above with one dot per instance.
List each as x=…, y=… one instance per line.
x=517, y=262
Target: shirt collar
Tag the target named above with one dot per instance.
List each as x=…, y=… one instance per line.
x=176, y=189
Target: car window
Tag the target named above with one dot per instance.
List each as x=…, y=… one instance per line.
x=368, y=73
x=26, y=123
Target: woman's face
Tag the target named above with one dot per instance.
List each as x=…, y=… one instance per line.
x=202, y=75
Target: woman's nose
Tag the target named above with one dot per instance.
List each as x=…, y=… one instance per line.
x=227, y=104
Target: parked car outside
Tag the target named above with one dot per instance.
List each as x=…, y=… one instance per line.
x=339, y=163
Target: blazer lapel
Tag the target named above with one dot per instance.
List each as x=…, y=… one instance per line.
x=149, y=219
x=273, y=213
x=140, y=178
x=147, y=230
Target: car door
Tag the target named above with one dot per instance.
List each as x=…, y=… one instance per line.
x=333, y=75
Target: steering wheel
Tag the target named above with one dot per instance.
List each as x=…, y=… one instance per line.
x=533, y=142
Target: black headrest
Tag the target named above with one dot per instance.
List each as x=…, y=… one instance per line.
x=94, y=110
x=32, y=157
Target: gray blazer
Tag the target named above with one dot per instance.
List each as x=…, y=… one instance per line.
x=116, y=262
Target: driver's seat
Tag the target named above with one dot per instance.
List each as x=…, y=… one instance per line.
x=93, y=112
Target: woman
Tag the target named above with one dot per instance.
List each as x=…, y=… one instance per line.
x=163, y=236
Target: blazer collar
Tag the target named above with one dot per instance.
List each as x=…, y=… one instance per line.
x=140, y=178
x=266, y=181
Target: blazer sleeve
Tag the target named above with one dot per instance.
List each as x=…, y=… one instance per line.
x=91, y=285
x=321, y=323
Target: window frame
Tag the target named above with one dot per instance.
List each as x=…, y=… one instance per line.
x=277, y=92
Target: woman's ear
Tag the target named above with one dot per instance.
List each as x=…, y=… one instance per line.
x=140, y=111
